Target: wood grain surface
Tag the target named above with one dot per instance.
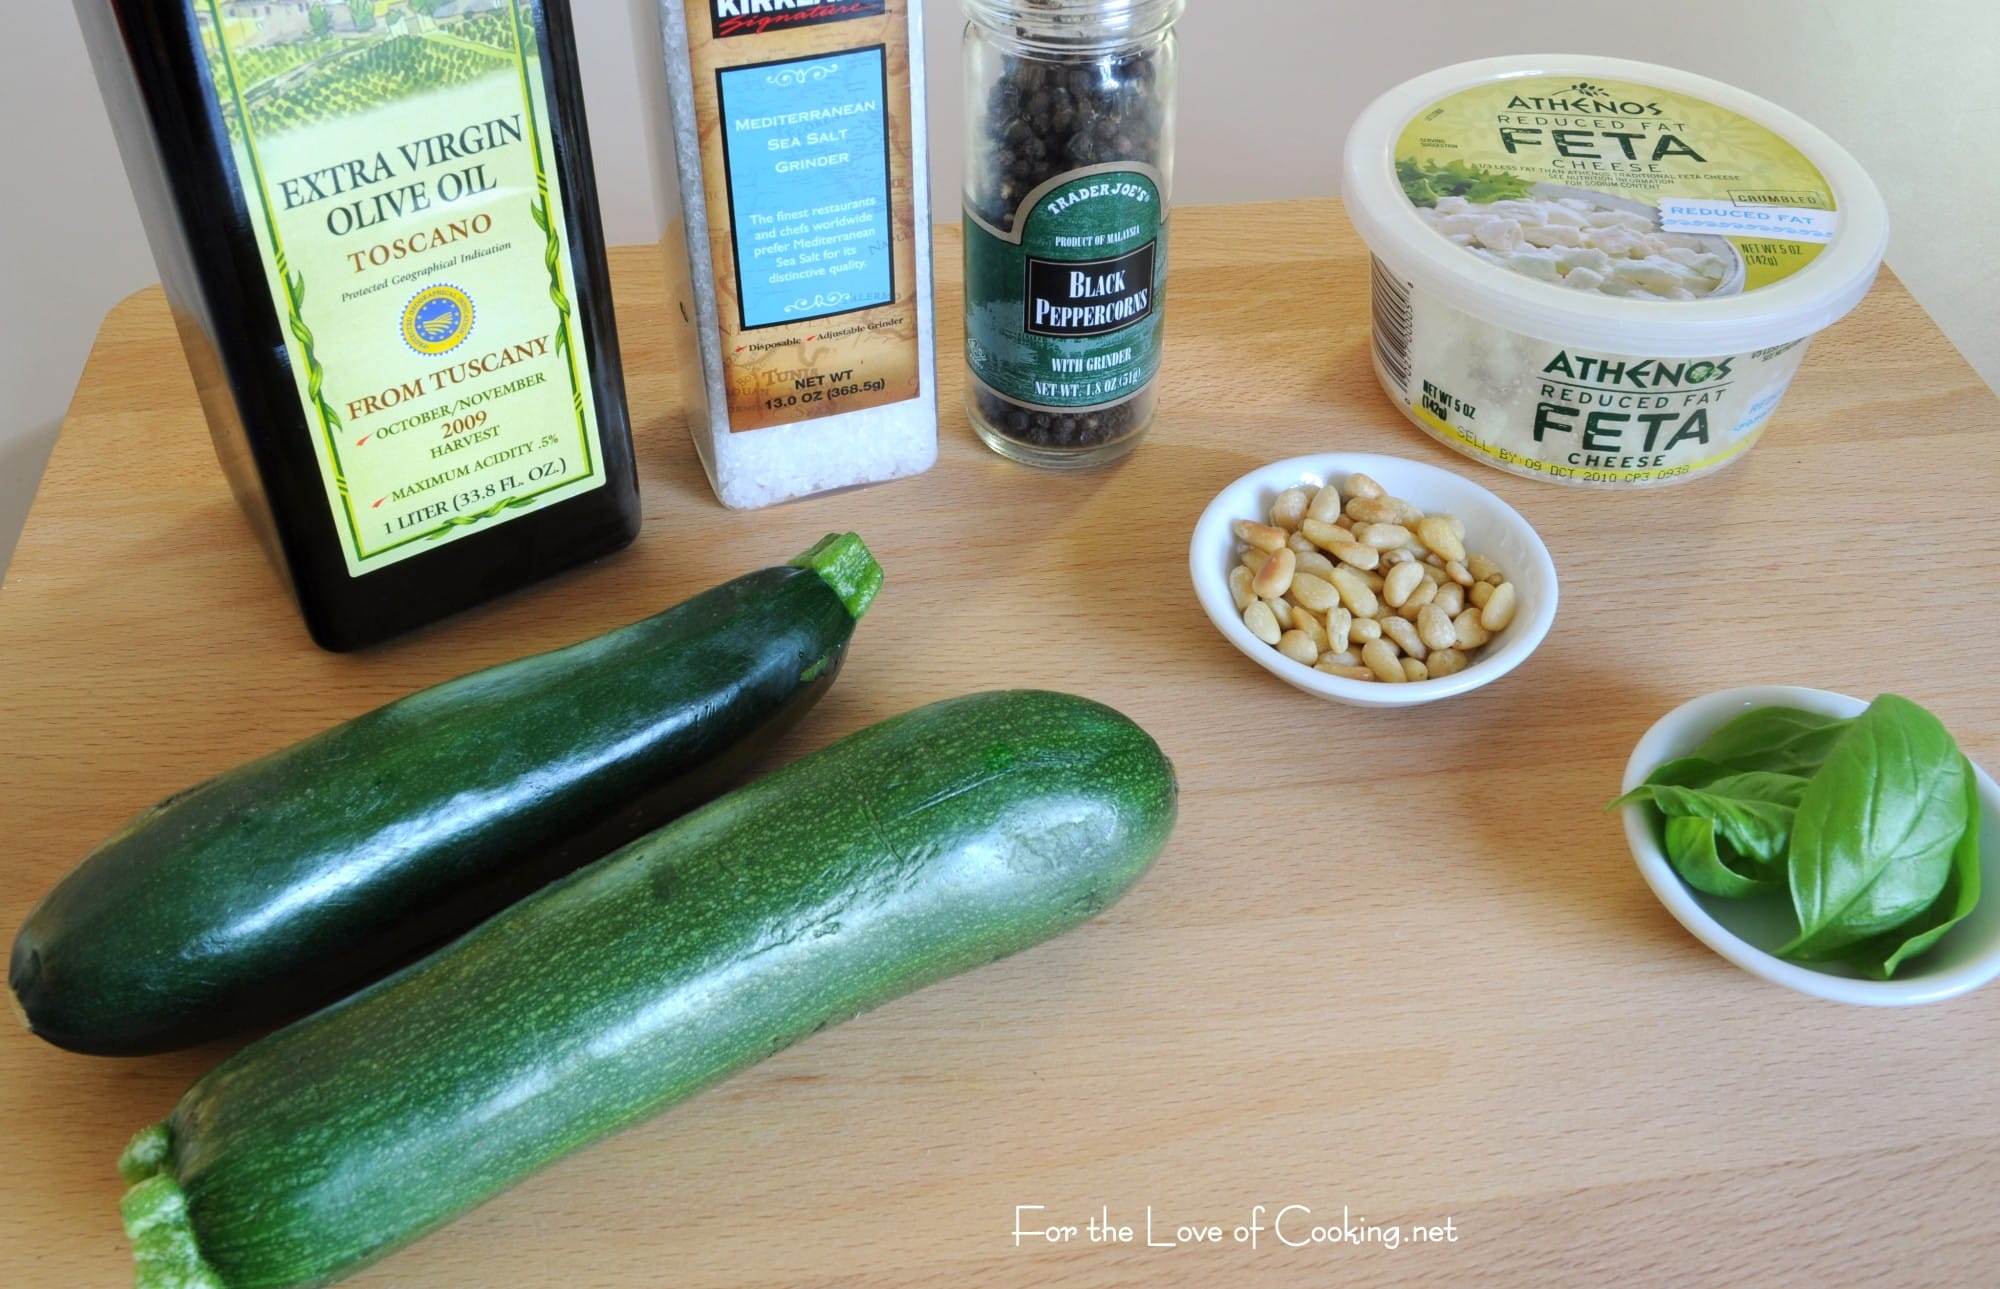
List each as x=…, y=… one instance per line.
x=1395, y=961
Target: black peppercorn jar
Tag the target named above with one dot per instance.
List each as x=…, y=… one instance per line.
x=1068, y=174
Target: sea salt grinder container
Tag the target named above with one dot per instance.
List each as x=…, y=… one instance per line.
x=798, y=241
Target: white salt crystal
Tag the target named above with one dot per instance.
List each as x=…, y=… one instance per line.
x=759, y=467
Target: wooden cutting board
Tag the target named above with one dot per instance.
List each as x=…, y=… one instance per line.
x=1397, y=961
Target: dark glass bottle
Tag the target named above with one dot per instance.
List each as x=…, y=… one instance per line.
x=377, y=226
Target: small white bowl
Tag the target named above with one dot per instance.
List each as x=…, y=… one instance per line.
x=1745, y=931
x=1492, y=528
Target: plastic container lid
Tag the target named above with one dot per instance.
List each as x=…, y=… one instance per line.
x=1585, y=111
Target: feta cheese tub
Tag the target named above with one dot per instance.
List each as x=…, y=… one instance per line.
x=1600, y=272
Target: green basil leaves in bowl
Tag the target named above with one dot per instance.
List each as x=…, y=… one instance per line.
x=1833, y=846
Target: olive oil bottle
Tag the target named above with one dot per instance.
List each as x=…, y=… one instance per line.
x=377, y=227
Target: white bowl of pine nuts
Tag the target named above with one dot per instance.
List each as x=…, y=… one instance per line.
x=1404, y=582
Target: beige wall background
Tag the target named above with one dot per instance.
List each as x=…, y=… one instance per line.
x=1268, y=89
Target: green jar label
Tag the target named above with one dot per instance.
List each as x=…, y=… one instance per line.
x=399, y=169
x=1064, y=308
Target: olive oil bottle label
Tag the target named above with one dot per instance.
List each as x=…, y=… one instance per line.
x=397, y=164
x=807, y=165
x=1063, y=307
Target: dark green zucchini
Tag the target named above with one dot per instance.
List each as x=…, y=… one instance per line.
x=932, y=843
x=291, y=881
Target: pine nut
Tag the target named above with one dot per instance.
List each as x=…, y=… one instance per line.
x=1300, y=542
x=1261, y=623
x=1406, y=637
x=1339, y=623
x=1457, y=572
x=1253, y=559
x=1239, y=587
x=1375, y=510
x=1275, y=578
x=1384, y=510
x=1314, y=629
x=1435, y=629
x=1262, y=536
x=1281, y=613
x=1354, y=592
x=1471, y=633
x=1290, y=507
x=1324, y=535
x=1362, y=557
x=1325, y=505
x=1426, y=592
x=1435, y=531
x=1361, y=485
x=1499, y=610
x=1372, y=580
x=1450, y=599
x=1298, y=646
x=1381, y=659
x=1481, y=568
x=1341, y=658
x=1402, y=580
x=1351, y=673
x=1364, y=630
x=1414, y=670
x=1383, y=537
x=1311, y=561
x=1401, y=555
x=1446, y=662
x=1481, y=594
x=1314, y=592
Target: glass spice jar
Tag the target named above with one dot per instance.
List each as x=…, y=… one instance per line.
x=1068, y=180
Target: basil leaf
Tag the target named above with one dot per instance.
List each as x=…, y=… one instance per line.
x=1784, y=740
x=1681, y=772
x=1874, y=834
x=1686, y=772
x=1692, y=850
x=1881, y=956
x=1779, y=740
x=1760, y=785
x=1752, y=812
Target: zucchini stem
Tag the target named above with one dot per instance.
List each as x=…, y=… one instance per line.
x=844, y=563
x=146, y=1155
x=156, y=1218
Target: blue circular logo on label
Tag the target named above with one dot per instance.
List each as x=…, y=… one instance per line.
x=437, y=319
